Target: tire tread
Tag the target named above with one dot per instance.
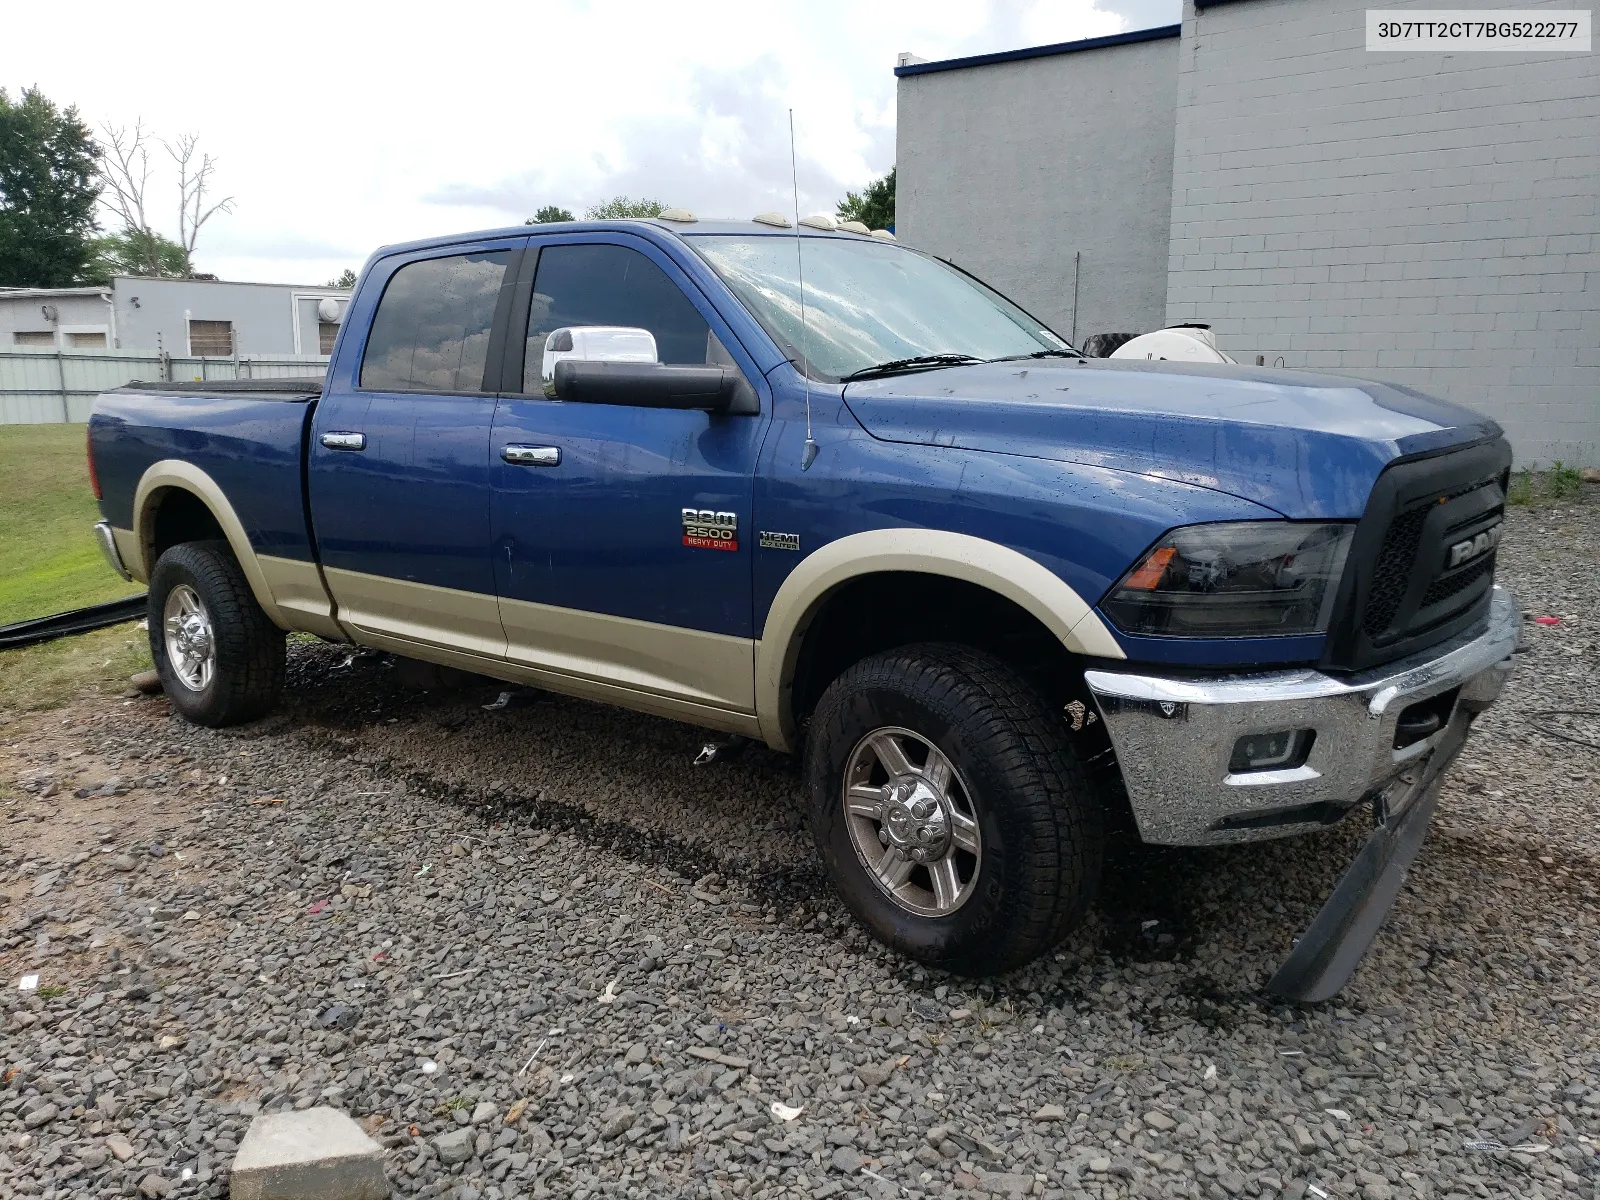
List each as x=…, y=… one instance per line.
x=1025, y=744
x=251, y=661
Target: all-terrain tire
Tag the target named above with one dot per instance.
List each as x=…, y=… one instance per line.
x=247, y=677
x=1041, y=819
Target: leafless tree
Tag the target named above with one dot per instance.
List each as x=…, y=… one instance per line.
x=194, y=179
x=125, y=172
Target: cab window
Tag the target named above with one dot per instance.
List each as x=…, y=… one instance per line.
x=431, y=330
x=597, y=284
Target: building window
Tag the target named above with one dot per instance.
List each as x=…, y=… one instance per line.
x=45, y=338
x=326, y=332
x=86, y=341
x=211, y=339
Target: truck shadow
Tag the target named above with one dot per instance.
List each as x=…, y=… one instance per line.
x=626, y=781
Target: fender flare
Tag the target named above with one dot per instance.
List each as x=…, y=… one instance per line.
x=997, y=568
x=175, y=473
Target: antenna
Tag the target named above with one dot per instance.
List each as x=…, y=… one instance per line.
x=810, y=454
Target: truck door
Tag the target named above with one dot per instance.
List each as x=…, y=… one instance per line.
x=622, y=534
x=399, y=454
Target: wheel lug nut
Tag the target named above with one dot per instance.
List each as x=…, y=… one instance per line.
x=883, y=836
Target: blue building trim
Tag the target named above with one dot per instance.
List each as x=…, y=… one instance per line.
x=1003, y=56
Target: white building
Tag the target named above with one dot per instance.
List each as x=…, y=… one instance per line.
x=1427, y=218
x=179, y=317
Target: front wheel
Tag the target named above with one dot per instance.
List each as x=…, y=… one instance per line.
x=221, y=661
x=952, y=815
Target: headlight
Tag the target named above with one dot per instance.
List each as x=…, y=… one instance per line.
x=1240, y=579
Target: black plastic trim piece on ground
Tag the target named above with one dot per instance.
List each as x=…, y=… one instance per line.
x=1331, y=948
x=79, y=620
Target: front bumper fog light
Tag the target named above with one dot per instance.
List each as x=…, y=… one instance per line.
x=1283, y=750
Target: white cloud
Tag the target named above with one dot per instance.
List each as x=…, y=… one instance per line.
x=343, y=127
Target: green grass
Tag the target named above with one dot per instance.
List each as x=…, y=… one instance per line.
x=49, y=561
x=52, y=673
x=1530, y=489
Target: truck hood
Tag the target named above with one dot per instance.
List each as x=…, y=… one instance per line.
x=1304, y=444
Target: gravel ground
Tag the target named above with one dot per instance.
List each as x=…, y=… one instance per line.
x=537, y=952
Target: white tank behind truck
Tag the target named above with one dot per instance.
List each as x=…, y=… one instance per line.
x=1187, y=342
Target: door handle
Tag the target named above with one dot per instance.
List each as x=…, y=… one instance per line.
x=345, y=441
x=532, y=456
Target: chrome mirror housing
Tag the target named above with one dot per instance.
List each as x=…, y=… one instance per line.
x=595, y=343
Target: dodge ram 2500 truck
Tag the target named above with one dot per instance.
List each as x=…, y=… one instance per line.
x=997, y=596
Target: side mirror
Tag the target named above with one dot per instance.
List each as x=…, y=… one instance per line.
x=653, y=385
x=596, y=343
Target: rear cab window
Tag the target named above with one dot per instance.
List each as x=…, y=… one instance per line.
x=432, y=327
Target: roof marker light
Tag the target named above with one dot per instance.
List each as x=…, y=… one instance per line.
x=776, y=220
x=883, y=235
x=853, y=227
x=820, y=221
x=681, y=215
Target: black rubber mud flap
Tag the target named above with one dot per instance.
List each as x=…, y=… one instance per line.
x=1326, y=955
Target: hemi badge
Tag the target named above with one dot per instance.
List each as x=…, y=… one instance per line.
x=706, y=529
x=779, y=541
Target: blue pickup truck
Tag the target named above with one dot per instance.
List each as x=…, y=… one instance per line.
x=1000, y=599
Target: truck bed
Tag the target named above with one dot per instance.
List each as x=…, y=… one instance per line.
x=247, y=435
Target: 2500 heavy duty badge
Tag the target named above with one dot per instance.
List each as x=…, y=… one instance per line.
x=706, y=529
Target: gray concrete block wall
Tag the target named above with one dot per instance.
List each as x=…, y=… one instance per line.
x=1009, y=169
x=1428, y=219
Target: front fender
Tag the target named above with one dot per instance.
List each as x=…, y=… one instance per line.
x=999, y=569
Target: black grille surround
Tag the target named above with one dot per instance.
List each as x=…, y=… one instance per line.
x=1400, y=593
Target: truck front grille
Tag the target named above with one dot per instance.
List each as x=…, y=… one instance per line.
x=1392, y=576
x=1415, y=556
x=1405, y=587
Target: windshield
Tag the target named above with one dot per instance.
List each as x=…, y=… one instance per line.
x=869, y=302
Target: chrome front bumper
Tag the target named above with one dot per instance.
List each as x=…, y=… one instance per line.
x=108, y=546
x=1174, y=737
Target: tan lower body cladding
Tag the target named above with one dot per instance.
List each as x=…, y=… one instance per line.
x=704, y=678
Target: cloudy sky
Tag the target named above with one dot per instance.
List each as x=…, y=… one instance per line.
x=340, y=127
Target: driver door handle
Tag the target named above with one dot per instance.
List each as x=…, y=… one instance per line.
x=345, y=441
x=532, y=456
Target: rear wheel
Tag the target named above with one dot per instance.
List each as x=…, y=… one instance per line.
x=221, y=661
x=950, y=811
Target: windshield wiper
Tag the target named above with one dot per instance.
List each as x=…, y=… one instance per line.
x=1069, y=353
x=914, y=363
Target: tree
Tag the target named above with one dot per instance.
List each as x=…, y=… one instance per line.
x=620, y=206
x=874, y=207
x=125, y=172
x=135, y=252
x=194, y=180
x=548, y=214
x=347, y=279
x=47, y=192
